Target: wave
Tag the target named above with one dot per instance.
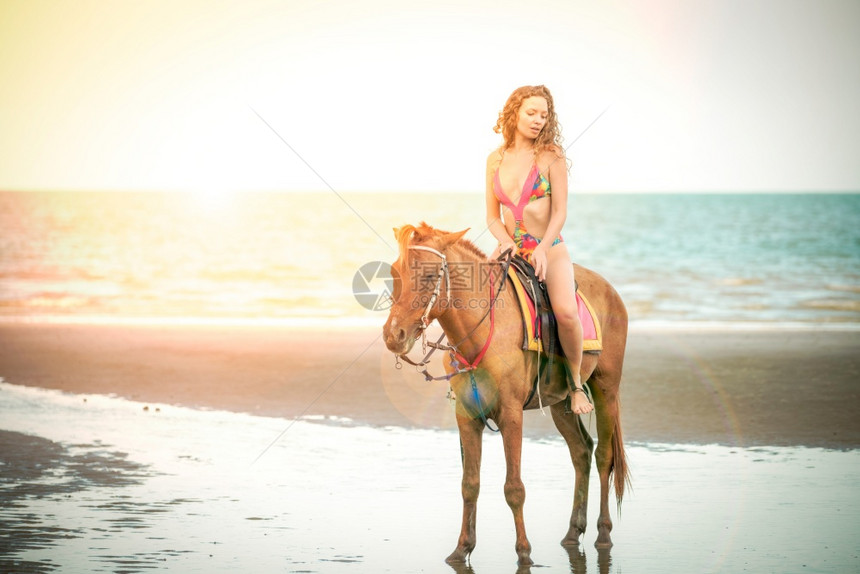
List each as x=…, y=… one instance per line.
x=376, y=322
x=302, y=321
x=728, y=326
x=852, y=305
x=740, y=281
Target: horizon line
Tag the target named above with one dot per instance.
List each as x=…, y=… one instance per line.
x=712, y=191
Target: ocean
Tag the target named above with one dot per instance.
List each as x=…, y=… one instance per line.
x=289, y=257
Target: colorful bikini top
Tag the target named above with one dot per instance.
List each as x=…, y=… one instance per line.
x=535, y=187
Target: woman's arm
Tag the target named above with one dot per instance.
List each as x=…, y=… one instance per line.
x=557, y=171
x=494, y=209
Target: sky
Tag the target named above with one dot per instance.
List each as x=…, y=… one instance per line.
x=218, y=96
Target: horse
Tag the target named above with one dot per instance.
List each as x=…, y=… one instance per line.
x=498, y=382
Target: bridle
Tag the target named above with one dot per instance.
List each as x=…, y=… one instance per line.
x=456, y=356
x=443, y=271
x=459, y=363
x=425, y=319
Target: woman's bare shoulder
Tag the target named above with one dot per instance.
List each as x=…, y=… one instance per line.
x=551, y=153
x=550, y=156
x=495, y=157
x=493, y=160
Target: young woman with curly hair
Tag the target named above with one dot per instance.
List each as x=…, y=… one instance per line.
x=527, y=206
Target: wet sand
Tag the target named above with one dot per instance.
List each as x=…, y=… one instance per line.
x=743, y=387
x=91, y=483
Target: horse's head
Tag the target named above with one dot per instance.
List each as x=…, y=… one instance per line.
x=421, y=284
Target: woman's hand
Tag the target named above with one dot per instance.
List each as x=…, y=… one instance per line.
x=539, y=262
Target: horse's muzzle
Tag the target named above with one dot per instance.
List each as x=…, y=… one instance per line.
x=399, y=340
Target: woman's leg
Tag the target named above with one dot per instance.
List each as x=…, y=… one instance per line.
x=562, y=294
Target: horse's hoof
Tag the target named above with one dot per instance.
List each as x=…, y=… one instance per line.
x=457, y=557
x=603, y=544
x=571, y=539
x=604, y=539
x=525, y=561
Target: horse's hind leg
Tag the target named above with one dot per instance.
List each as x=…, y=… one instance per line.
x=606, y=404
x=470, y=442
x=581, y=445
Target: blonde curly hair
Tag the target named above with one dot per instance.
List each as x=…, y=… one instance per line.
x=549, y=137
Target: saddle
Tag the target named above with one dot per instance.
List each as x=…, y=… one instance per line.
x=540, y=331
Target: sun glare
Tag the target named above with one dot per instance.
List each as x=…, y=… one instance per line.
x=212, y=200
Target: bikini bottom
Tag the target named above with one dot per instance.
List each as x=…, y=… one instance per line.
x=527, y=243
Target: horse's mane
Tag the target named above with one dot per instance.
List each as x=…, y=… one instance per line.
x=472, y=248
x=409, y=234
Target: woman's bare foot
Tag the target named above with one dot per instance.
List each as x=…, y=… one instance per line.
x=580, y=403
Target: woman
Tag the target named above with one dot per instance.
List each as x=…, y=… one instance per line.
x=528, y=176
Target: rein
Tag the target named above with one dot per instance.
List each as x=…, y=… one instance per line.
x=457, y=358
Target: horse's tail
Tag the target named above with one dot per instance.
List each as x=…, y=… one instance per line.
x=620, y=470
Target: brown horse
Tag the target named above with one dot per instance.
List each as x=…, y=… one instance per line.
x=440, y=276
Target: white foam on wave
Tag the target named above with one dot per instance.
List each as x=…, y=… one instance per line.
x=645, y=326
x=310, y=322
x=378, y=320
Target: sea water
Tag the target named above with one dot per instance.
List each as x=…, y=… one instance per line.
x=701, y=258
x=92, y=483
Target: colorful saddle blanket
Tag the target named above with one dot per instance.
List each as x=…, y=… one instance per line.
x=534, y=339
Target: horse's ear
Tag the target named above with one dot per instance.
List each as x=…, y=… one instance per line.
x=396, y=232
x=450, y=239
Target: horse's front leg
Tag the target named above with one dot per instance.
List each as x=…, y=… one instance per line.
x=511, y=427
x=470, y=442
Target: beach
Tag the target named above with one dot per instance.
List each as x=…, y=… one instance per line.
x=197, y=258
x=738, y=386
x=216, y=448
x=200, y=390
